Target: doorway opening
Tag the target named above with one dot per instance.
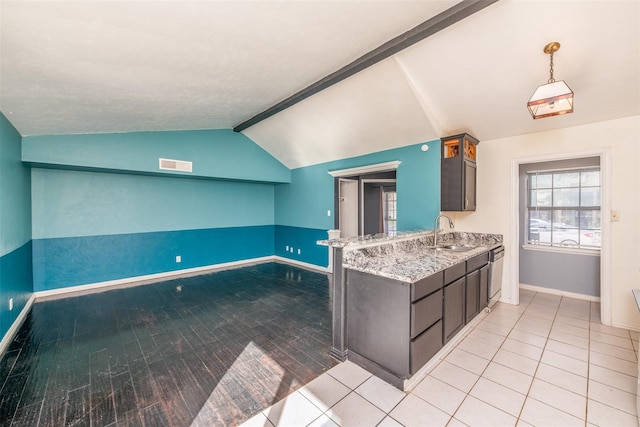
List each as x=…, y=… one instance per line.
x=366, y=204
x=560, y=226
x=365, y=199
x=603, y=158
x=378, y=206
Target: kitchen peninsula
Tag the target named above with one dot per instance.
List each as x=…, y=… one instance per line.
x=398, y=299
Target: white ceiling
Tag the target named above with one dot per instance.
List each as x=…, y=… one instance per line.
x=121, y=66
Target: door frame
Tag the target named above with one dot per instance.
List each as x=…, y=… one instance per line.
x=361, y=202
x=360, y=170
x=340, y=210
x=606, y=287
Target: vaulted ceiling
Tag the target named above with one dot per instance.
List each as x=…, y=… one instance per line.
x=70, y=67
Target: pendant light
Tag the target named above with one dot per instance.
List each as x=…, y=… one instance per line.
x=553, y=98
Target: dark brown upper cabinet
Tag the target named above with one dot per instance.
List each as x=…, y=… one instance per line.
x=458, y=173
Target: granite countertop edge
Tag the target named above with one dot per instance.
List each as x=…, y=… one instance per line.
x=411, y=260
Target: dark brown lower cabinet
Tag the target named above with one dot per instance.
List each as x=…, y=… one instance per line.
x=453, y=308
x=484, y=287
x=472, y=294
x=393, y=325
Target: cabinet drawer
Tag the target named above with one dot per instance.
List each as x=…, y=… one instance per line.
x=453, y=273
x=477, y=261
x=426, y=286
x=425, y=346
x=425, y=312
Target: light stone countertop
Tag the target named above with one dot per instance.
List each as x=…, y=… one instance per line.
x=413, y=259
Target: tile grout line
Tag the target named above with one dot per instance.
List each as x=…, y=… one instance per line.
x=587, y=378
x=586, y=406
x=554, y=322
x=533, y=377
x=467, y=394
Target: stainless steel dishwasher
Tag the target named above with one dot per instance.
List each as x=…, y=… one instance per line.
x=496, y=259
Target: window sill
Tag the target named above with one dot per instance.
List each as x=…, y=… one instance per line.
x=562, y=249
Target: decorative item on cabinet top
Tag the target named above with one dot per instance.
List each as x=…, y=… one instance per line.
x=456, y=144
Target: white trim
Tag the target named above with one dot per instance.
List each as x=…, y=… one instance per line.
x=379, y=167
x=306, y=265
x=13, y=330
x=559, y=292
x=606, y=270
x=150, y=278
x=514, y=247
x=562, y=249
x=606, y=287
x=624, y=325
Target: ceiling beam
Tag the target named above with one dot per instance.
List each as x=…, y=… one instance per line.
x=429, y=27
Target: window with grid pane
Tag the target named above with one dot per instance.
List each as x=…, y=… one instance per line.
x=390, y=207
x=563, y=208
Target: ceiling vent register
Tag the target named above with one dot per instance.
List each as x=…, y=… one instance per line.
x=176, y=165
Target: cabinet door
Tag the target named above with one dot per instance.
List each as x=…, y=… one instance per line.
x=484, y=287
x=453, y=308
x=378, y=320
x=472, y=293
x=451, y=185
x=469, y=202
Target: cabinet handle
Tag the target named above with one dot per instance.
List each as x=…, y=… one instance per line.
x=466, y=203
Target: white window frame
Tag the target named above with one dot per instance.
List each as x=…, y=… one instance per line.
x=551, y=246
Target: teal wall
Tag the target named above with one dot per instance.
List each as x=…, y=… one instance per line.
x=304, y=203
x=90, y=227
x=15, y=227
x=80, y=203
x=81, y=209
x=220, y=154
x=70, y=261
x=102, y=209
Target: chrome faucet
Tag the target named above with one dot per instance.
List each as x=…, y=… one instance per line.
x=435, y=228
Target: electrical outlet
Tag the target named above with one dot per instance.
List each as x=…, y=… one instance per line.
x=178, y=258
x=286, y=248
x=328, y=213
x=299, y=251
x=10, y=304
x=291, y=249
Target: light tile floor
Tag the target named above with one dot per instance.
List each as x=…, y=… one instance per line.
x=547, y=362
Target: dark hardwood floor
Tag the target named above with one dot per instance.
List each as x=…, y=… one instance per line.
x=209, y=350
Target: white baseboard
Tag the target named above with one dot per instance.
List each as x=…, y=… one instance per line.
x=13, y=330
x=559, y=292
x=141, y=280
x=302, y=264
x=152, y=278
x=625, y=326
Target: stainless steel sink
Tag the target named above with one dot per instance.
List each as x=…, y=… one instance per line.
x=455, y=248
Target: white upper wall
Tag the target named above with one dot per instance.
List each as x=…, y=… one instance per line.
x=497, y=209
